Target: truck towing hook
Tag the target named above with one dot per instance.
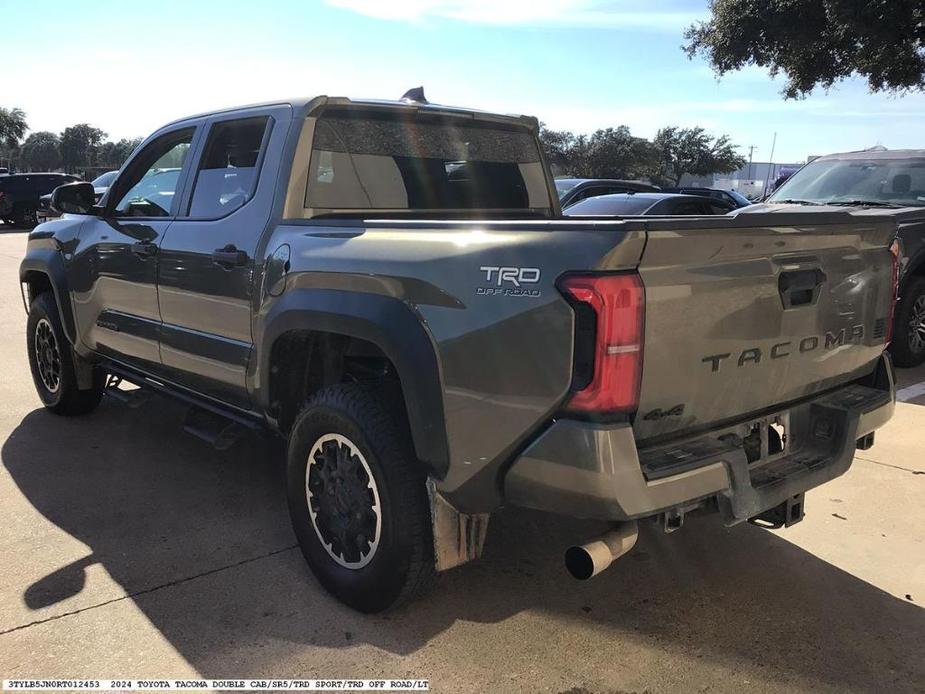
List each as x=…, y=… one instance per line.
x=588, y=560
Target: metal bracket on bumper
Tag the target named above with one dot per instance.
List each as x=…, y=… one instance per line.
x=828, y=437
x=588, y=470
x=458, y=537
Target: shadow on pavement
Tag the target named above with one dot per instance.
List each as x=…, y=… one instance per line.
x=157, y=507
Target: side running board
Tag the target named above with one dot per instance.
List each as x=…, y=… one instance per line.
x=218, y=427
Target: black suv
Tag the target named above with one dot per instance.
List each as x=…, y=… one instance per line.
x=20, y=193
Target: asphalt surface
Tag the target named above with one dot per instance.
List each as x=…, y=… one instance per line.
x=130, y=549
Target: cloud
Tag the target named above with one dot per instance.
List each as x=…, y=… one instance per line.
x=586, y=13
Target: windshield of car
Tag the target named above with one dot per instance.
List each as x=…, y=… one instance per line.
x=857, y=181
x=739, y=198
x=105, y=180
x=620, y=204
x=564, y=185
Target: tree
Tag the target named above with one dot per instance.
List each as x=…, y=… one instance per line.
x=608, y=153
x=41, y=151
x=79, y=145
x=558, y=147
x=114, y=154
x=817, y=42
x=682, y=151
x=12, y=126
x=616, y=153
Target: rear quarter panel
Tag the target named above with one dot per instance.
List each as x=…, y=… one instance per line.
x=504, y=352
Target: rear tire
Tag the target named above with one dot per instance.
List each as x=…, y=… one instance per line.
x=51, y=359
x=358, y=500
x=908, y=345
x=25, y=217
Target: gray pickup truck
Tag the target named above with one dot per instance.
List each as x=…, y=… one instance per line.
x=391, y=286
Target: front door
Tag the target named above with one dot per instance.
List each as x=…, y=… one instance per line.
x=206, y=268
x=114, y=270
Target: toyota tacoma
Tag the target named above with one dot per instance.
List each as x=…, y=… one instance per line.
x=391, y=287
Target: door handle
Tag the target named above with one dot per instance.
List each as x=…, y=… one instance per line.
x=229, y=256
x=144, y=250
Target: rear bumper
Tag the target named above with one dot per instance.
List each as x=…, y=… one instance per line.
x=589, y=470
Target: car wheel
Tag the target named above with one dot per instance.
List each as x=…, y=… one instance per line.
x=51, y=360
x=358, y=500
x=26, y=218
x=908, y=345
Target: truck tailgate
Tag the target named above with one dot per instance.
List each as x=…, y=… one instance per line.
x=743, y=318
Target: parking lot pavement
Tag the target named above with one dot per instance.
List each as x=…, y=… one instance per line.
x=133, y=550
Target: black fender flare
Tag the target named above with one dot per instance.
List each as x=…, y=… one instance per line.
x=384, y=321
x=48, y=262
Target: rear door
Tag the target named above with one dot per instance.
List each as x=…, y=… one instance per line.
x=207, y=260
x=114, y=271
x=741, y=319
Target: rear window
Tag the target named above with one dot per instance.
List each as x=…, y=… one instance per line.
x=396, y=162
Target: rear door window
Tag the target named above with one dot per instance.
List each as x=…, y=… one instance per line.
x=397, y=162
x=227, y=175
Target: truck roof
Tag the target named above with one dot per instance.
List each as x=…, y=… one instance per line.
x=305, y=106
x=875, y=154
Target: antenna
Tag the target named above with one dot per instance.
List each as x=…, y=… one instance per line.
x=415, y=94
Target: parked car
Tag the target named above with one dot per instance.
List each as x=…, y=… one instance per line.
x=625, y=204
x=733, y=197
x=890, y=182
x=100, y=186
x=389, y=286
x=20, y=195
x=572, y=190
x=102, y=182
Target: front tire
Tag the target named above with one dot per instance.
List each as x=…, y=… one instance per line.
x=908, y=346
x=358, y=500
x=51, y=360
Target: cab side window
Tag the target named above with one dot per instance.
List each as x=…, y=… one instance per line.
x=227, y=174
x=149, y=187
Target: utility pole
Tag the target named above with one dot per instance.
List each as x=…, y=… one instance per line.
x=767, y=182
x=751, y=149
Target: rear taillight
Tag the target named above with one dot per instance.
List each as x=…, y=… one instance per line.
x=895, y=254
x=618, y=305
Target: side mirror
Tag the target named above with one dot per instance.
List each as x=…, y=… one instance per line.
x=73, y=198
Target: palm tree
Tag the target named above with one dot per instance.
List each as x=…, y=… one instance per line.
x=13, y=127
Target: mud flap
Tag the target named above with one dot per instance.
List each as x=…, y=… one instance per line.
x=458, y=537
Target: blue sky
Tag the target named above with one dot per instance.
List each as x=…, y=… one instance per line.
x=128, y=67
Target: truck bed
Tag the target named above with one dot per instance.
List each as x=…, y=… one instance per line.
x=742, y=314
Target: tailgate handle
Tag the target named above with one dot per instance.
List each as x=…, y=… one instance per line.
x=800, y=287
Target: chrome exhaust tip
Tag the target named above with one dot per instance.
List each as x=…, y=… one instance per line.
x=588, y=560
